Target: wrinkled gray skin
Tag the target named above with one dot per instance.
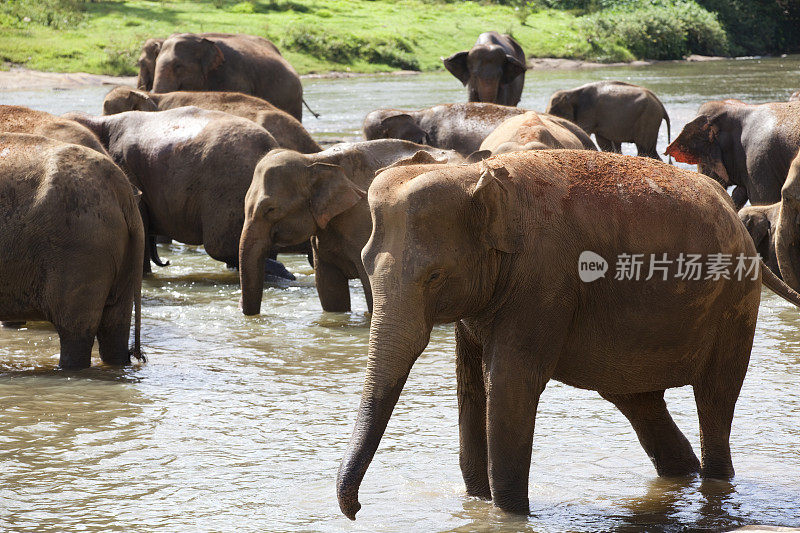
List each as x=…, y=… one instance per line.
x=761, y=222
x=787, y=236
x=494, y=247
x=193, y=167
x=19, y=119
x=224, y=62
x=749, y=146
x=459, y=127
x=147, y=63
x=296, y=197
x=615, y=112
x=72, y=244
x=493, y=70
x=286, y=129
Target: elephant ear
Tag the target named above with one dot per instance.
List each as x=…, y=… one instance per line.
x=420, y=158
x=140, y=101
x=331, y=192
x=694, y=140
x=498, y=216
x=211, y=56
x=479, y=155
x=402, y=126
x=512, y=68
x=457, y=65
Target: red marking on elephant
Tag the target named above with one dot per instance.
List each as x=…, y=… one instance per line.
x=681, y=155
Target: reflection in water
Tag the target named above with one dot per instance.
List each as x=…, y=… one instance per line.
x=240, y=422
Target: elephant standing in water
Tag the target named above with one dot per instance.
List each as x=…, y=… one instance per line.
x=749, y=146
x=536, y=131
x=287, y=130
x=616, y=112
x=493, y=70
x=787, y=235
x=72, y=242
x=761, y=222
x=296, y=197
x=224, y=62
x=459, y=243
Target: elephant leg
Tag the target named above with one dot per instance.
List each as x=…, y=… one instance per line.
x=667, y=447
x=605, y=144
x=715, y=394
x=332, y=287
x=739, y=196
x=367, y=290
x=76, y=350
x=114, y=331
x=647, y=150
x=473, y=456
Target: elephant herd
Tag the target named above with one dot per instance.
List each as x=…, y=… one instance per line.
x=475, y=213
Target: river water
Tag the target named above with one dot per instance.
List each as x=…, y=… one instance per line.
x=239, y=423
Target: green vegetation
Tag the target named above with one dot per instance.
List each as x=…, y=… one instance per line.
x=104, y=36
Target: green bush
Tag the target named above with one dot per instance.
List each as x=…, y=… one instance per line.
x=57, y=14
x=657, y=30
x=344, y=48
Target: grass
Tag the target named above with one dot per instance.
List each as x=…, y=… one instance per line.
x=315, y=36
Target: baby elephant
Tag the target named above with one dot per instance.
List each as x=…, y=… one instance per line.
x=536, y=131
x=287, y=130
x=761, y=222
x=493, y=70
x=72, y=244
x=616, y=112
x=294, y=197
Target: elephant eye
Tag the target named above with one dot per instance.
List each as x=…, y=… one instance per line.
x=435, y=277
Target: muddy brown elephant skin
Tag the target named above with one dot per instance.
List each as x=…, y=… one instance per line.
x=787, y=235
x=535, y=131
x=761, y=222
x=193, y=167
x=72, y=244
x=296, y=197
x=286, y=129
x=750, y=146
x=616, y=112
x=459, y=127
x=458, y=243
x=147, y=63
x=223, y=62
x=493, y=70
x=19, y=119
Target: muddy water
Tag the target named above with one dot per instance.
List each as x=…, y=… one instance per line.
x=239, y=423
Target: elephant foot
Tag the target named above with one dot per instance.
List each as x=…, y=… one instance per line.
x=276, y=269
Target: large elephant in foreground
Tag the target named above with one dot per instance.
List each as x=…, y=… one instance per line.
x=749, y=146
x=493, y=70
x=459, y=127
x=502, y=248
x=193, y=167
x=19, y=119
x=616, y=112
x=296, y=197
x=225, y=62
x=287, y=130
x=72, y=242
x=536, y=131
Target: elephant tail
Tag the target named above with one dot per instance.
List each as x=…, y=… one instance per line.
x=154, y=251
x=778, y=286
x=136, y=231
x=316, y=115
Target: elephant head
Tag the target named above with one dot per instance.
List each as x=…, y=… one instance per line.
x=121, y=99
x=787, y=235
x=563, y=104
x=483, y=69
x=290, y=198
x=404, y=127
x=185, y=62
x=699, y=144
x=147, y=63
x=440, y=235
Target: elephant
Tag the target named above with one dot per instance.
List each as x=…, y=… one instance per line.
x=459, y=127
x=795, y=97
x=761, y=222
x=459, y=243
x=147, y=63
x=225, y=62
x=194, y=167
x=286, y=129
x=616, y=112
x=19, y=119
x=72, y=244
x=787, y=235
x=296, y=197
x=749, y=146
x=535, y=131
x=493, y=70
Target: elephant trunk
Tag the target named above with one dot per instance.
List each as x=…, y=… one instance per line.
x=253, y=247
x=787, y=243
x=164, y=82
x=487, y=89
x=395, y=341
